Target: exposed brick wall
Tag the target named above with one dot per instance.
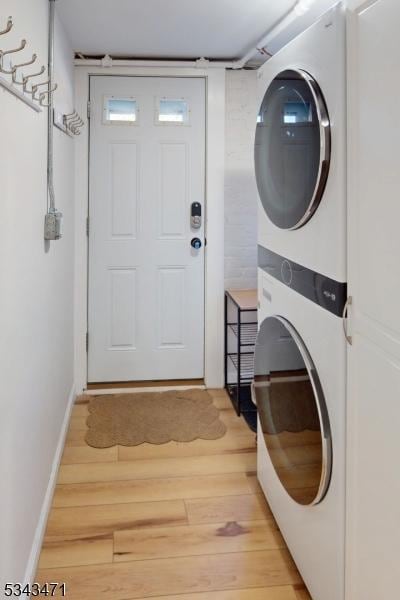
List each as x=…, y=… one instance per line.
x=240, y=186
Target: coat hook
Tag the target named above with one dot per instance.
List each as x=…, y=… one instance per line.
x=25, y=64
x=76, y=121
x=73, y=122
x=70, y=118
x=34, y=87
x=26, y=79
x=75, y=126
x=8, y=26
x=47, y=93
x=70, y=115
x=3, y=53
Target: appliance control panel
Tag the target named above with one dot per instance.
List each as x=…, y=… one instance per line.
x=318, y=288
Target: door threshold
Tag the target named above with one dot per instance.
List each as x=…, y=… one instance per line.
x=149, y=383
x=121, y=387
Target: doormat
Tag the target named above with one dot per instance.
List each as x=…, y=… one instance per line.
x=152, y=417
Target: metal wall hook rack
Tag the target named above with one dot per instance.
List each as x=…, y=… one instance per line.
x=28, y=95
x=74, y=123
x=69, y=123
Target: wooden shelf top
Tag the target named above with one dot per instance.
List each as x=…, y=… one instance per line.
x=244, y=299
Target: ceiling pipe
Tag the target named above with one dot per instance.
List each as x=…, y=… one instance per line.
x=299, y=9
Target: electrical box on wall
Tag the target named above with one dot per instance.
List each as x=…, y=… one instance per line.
x=53, y=226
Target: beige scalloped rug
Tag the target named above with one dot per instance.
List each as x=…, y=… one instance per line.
x=153, y=417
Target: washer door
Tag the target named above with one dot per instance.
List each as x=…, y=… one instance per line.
x=292, y=149
x=292, y=411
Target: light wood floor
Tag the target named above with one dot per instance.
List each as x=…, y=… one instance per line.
x=180, y=521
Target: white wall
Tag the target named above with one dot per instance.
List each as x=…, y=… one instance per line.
x=240, y=186
x=36, y=297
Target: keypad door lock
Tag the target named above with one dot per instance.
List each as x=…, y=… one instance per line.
x=195, y=215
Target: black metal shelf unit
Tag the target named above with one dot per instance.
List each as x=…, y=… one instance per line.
x=240, y=339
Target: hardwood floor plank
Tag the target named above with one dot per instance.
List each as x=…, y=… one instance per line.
x=73, y=553
x=231, y=443
x=75, y=438
x=222, y=401
x=301, y=592
x=83, y=522
x=232, y=421
x=85, y=454
x=142, y=579
x=268, y=593
x=254, y=484
x=250, y=507
x=80, y=410
x=78, y=423
x=218, y=392
x=150, y=490
x=196, y=540
x=82, y=399
x=153, y=468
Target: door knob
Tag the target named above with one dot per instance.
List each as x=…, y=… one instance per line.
x=196, y=243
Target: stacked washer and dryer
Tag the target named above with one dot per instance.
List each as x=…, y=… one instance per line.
x=300, y=357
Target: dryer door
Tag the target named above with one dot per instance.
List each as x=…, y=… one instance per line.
x=292, y=149
x=292, y=411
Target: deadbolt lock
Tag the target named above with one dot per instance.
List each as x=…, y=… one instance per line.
x=196, y=243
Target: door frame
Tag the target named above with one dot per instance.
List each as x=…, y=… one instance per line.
x=214, y=223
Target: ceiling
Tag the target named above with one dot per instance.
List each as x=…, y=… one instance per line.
x=215, y=29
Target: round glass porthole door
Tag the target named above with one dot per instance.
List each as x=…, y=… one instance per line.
x=292, y=411
x=292, y=149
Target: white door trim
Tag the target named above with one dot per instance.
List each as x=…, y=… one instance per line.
x=214, y=259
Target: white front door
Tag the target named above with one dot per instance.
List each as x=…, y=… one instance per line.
x=146, y=280
x=373, y=494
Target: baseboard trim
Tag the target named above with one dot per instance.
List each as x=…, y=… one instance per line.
x=31, y=568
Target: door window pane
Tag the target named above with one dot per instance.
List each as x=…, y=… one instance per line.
x=173, y=111
x=120, y=110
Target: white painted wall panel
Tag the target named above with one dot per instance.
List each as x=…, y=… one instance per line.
x=36, y=299
x=240, y=186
